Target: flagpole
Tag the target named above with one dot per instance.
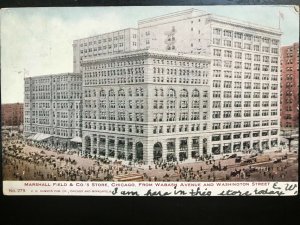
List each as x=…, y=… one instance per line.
x=279, y=19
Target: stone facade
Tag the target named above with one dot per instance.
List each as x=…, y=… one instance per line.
x=145, y=105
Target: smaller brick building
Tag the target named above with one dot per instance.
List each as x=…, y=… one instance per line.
x=12, y=114
x=289, y=100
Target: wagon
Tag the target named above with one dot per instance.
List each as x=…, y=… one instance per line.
x=238, y=159
x=247, y=161
x=276, y=160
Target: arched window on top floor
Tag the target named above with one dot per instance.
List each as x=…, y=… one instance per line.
x=121, y=92
x=102, y=93
x=171, y=93
x=111, y=93
x=184, y=93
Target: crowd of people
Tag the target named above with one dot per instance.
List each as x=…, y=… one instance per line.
x=48, y=165
x=220, y=170
x=28, y=161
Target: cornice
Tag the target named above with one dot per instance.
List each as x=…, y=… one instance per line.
x=246, y=25
x=142, y=54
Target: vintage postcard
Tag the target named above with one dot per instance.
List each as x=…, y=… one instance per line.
x=150, y=101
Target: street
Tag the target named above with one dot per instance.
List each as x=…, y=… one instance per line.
x=32, y=163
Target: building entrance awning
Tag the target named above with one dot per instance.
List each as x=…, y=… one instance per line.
x=76, y=139
x=42, y=137
x=36, y=136
x=31, y=137
x=39, y=137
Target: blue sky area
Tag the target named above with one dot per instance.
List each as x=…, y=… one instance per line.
x=40, y=39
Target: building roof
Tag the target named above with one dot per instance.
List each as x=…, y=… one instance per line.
x=185, y=14
x=50, y=75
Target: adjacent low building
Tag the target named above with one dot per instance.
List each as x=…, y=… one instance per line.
x=12, y=114
x=289, y=97
x=53, y=106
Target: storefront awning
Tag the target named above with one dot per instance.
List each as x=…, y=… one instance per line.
x=42, y=137
x=39, y=137
x=76, y=139
x=35, y=136
x=31, y=137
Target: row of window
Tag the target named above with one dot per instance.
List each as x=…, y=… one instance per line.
x=229, y=136
x=120, y=80
x=181, y=116
x=180, y=72
x=104, y=47
x=230, y=125
x=121, y=104
x=179, y=128
x=246, y=46
x=183, y=93
x=246, y=75
x=196, y=65
x=113, y=65
x=112, y=93
x=246, y=85
x=116, y=72
x=247, y=56
x=183, y=104
x=56, y=123
x=289, y=124
x=54, y=131
x=103, y=39
x=113, y=127
x=161, y=79
x=229, y=104
x=245, y=36
x=247, y=113
x=247, y=66
x=238, y=94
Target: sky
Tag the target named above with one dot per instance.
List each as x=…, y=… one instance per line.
x=39, y=40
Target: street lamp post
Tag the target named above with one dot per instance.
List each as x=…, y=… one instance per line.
x=290, y=138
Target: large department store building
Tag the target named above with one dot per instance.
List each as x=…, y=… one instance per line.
x=146, y=105
x=180, y=85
